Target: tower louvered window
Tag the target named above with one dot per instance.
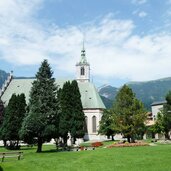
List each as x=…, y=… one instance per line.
x=82, y=71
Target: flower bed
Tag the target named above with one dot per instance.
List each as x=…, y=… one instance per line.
x=128, y=145
x=96, y=144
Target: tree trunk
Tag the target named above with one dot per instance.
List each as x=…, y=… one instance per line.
x=65, y=142
x=112, y=138
x=129, y=139
x=132, y=139
x=39, y=145
x=5, y=143
x=74, y=139
x=17, y=143
x=167, y=136
x=57, y=143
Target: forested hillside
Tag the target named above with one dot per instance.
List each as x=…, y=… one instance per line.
x=147, y=92
x=3, y=77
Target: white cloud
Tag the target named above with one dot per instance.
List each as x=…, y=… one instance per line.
x=139, y=2
x=113, y=49
x=142, y=14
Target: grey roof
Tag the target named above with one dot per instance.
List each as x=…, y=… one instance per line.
x=158, y=103
x=89, y=95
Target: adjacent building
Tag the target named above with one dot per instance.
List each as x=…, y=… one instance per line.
x=156, y=107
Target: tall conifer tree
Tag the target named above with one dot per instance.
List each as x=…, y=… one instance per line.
x=65, y=112
x=13, y=118
x=41, y=121
x=78, y=117
x=1, y=111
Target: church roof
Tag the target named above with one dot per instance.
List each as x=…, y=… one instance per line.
x=89, y=95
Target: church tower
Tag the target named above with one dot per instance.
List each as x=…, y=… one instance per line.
x=83, y=68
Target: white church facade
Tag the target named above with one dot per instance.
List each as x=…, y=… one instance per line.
x=92, y=104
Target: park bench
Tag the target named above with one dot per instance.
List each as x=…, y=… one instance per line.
x=17, y=154
x=85, y=148
x=89, y=148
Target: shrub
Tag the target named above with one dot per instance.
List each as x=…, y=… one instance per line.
x=81, y=148
x=96, y=144
x=128, y=145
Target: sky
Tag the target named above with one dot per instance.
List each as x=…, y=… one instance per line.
x=125, y=40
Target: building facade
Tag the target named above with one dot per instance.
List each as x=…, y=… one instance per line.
x=156, y=107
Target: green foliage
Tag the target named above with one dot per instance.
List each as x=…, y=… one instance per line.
x=163, y=122
x=158, y=126
x=65, y=111
x=42, y=119
x=1, y=111
x=77, y=118
x=106, y=124
x=128, y=114
x=13, y=118
x=72, y=118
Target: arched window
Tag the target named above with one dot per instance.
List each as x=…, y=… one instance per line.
x=94, y=123
x=86, y=124
x=82, y=71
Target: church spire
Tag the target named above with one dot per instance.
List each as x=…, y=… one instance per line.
x=83, y=67
x=83, y=56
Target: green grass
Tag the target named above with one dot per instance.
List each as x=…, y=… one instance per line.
x=148, y=158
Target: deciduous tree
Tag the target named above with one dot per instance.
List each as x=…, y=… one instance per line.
x=129, y=114
x=107, y=124
x=163, y=122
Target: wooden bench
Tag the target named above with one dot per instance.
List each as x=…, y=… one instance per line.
x=17, y=154
x=89, y=148
x=85, y=148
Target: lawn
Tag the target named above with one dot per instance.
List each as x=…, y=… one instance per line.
x=148, y=158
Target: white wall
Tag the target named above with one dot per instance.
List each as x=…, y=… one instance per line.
x=90, y=134
x=85, y=77
x=155, y=110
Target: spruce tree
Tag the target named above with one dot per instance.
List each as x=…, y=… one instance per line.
x=77, y=121
x=65, y=111
x=1, y=111
x=72, y=119
x=13, y=118
x=129, y=115
x=41, y=122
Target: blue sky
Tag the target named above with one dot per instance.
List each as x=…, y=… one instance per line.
x=125, y=40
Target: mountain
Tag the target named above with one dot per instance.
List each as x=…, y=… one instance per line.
x=3, y=77
x=148, y=92
x=108, y=91
x=108, y=103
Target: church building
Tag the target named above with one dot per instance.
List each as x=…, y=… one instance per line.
x=91, y=101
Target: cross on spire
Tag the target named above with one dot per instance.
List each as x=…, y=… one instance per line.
x=83, y=55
